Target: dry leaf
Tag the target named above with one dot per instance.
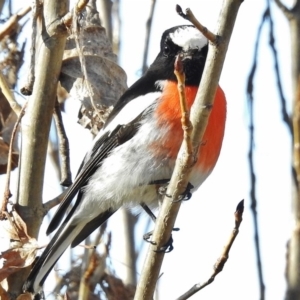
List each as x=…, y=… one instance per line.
x=104, y=80
x=22, y=255
x=7, y=231
x=14, y=228
x=17, y=258
x=21, y=227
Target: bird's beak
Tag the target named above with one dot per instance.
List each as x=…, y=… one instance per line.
x=188, y=54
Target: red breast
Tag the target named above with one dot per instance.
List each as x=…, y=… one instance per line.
x=168, y=112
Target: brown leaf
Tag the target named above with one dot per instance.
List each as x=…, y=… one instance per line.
x=106, y=80
x=21, y=227
x=15, y=228
x=22, y=255
x=18, y=258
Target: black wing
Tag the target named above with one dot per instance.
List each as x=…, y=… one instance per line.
x=100, y=151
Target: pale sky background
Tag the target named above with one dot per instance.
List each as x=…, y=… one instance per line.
x=207, y=219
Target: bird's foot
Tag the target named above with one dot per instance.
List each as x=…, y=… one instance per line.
x=185, y=196
x=166, y=248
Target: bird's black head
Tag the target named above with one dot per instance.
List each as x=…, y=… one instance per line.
x=191, y=44
x=183, y=40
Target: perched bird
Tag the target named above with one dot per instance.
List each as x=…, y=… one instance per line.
x=137, y=148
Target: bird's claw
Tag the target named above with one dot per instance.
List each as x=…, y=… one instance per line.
x=168, y=247
x=187, y=194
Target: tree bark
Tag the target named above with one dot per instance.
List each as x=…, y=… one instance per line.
x=293, y=262
x=36, y=124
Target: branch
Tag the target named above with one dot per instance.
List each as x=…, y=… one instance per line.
x=7, y=193
x=53, y=202
x=214, y=39
x=105, y=12
x=175, y=189
x=147, y=36
x=250, y=99
x=285, y=115
x=36, y=11
x=219, y=265
x=66, y=176
x=67, y=19
x=12, y=22
x=199, y=116
x=36, y=126
x=9, y=95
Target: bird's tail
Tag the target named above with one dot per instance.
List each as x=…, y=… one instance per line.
x=58, y=244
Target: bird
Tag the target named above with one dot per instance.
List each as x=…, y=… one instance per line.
x=135, y=152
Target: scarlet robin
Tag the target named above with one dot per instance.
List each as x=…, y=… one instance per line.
x=138, y=146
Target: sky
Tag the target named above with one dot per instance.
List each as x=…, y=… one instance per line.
x=206, y=220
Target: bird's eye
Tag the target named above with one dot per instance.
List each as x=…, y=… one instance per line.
x=166, y=50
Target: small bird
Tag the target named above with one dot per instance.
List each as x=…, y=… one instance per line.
x=135, y=152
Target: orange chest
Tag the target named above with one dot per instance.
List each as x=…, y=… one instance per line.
x=168, y=113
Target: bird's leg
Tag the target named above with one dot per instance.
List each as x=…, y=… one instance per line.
x=168, y=247
x=162, y=191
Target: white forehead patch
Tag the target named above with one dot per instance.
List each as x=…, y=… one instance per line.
x=188, y=38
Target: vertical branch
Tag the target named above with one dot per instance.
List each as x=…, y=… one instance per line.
x=147, y=36
x=104, y=8
x=293, y=257
x=285, y=116
x=7, y=193
x=63, y=142
x=250, y=157
x=36, y=124
x=129, y=252
x=11, y=24
x=28, y=86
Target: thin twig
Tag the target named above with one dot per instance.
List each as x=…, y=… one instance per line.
x=188, y=15
x=185, y=113
x=80, y=5
x=219, y=265
x=147, y=36
x=66, y=176
x=85, y=283
x=53, y=202
x=28, y=86
x=7, y=193
x=105, y=14
x=169, y=210
x=285, y=115
x=12, y=22
x=250, y=157
x=9, y=95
